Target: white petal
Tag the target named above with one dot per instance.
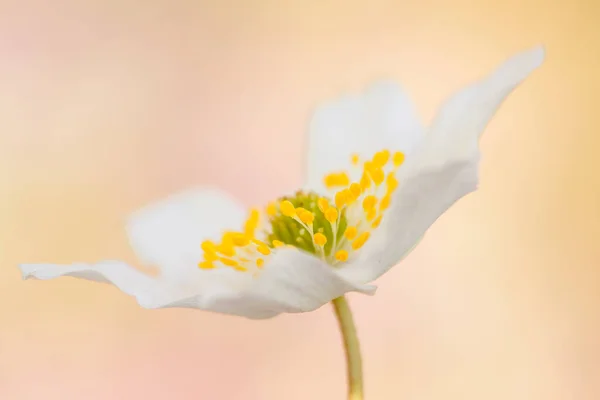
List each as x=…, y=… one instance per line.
x=383, y=117
x=442, y=170
x=460, y=122
x=301, y=282
x=168, y=234
x=149, y=292
x=291, y=282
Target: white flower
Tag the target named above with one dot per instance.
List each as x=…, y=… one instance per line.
x=376, y=176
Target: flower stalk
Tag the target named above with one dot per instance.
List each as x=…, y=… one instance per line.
x=351, y=347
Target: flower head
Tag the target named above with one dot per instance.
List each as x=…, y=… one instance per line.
x=377, y=179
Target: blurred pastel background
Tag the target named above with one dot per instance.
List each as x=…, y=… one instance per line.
x=106, y=105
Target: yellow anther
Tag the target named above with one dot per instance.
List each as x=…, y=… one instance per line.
x=377, y=221
x=252, y=222
x=385, y=202
x=271, y=209
x=239, y=239
x=227, y=237
x=336, y=179
x=377, y=175
x=229, y=262
x=349, y=196
x=305, y=216
x=208, y=246
x=277, y=243
x=206, y=265
x=210, y=256
x=320, y=239
x=372, y=213
x=264, y=250
x=259, y=243
x=355, y=159
x=287, y=208
x=360, y=240
x=260, y=262
x=398, y=158
x=356, y=190
x=323, y=204
x=341, y=199
x=381, y=158
x=331, y=214
x=392, y=182
x=369, y=203
x=341, y=255
x=351, y=232
x=226, y=249
x=365, y=181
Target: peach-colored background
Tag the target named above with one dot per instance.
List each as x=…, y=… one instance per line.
x=106, y=105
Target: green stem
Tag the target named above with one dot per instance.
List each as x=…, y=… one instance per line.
x=352, y=348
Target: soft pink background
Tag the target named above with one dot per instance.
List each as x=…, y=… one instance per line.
x=108, y=105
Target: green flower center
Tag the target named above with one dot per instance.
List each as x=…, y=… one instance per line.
x=307, y=225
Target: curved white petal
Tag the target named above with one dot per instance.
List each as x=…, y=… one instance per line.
x=442, y=170
x=381, y=117
x=291, y=282
x=148, y=291
x=299, y=282
x=168, y=234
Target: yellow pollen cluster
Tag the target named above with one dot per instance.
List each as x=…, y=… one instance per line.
x=329, y=228
x=238, y=250
x=372, y=194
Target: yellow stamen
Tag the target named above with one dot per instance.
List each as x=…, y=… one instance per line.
x=320, y=239
x=372, y=213
x=206, y=265
x=398, y=158
x=340, y=199
x=260, y=262
x=259, y=243
x=331, y=214
x=377, y=175
x=271, y=209
x=369, y=203
x=264, y=250
x=356, y=190
x=336, y=180
x=377, y=221
x=305, y=216
x=226, y=249
x=287, y=208
x=355, y=159
x=365, y=181
x=351, y=232
x=381, y=158
x=349, y=197
x=239, y=239
x=360, y=240
x=323, y=204
x=229, y=262
x=277, y=243
x=210, y=256
x=341, y=255
x=392, y=182
x=252, y=222
x=208, y=245
x=385, y=202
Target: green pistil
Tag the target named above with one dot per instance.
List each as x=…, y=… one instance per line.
x=290, y=231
